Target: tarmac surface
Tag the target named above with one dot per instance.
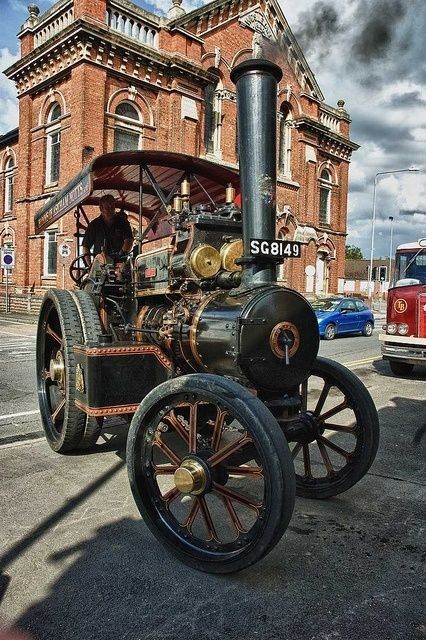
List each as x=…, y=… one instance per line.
x=77, y=561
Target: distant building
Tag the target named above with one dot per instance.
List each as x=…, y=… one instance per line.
x=104, y=75
x=357, y=276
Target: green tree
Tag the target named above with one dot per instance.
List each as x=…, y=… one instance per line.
x=353, y=253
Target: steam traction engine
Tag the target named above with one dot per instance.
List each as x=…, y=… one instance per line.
x=232, y=411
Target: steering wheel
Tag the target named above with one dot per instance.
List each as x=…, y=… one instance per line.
x=76, y=271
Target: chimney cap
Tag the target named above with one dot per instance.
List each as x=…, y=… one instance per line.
x=256, y=64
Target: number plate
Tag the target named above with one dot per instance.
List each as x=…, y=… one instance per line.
x=275, y=248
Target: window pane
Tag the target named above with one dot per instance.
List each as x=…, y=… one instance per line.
x=209, y=117
x=323, y=212
x=55, y=113
x=55, y=143
x=126, y=140
x=50, y=253
x=9, y=193
x=325, y=175
x=127, y=110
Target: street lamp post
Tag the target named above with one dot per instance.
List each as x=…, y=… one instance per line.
x=390, y=250
x=373, y=221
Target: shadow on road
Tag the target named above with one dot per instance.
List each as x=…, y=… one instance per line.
x=349, y=567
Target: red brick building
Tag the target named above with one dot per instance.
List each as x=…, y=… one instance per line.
x=100, y=75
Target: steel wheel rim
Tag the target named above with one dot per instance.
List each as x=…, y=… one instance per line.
x=320, y=458
x=196, y=526
x=53, y=392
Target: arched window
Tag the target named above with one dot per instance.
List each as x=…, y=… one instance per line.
x=284, y=155
x=8, y=185
x=324, y=197
x=127, y=135
x=213, y=118
x=53, y=144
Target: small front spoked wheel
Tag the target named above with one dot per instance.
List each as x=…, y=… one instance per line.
x=341, y=434
x=211, y=472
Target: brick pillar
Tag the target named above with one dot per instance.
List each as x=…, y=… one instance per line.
x=95, y=9
x=22, y=191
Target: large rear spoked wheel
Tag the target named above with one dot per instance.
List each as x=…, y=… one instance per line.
x=210, y=472
x=66, y=318
x=341, y=434
x=58, y=330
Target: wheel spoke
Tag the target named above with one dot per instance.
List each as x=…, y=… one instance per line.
x=171, y=455
x=58, y=409
x=218, y=428
x=341, y=427
x=192, y=515
x=233, y=515
x=307, y=461
x=332, y=412
x=334, y=447
x=325, y=457
x=177, y=425
x=228, y=450
x=55, y=336
x=244, y=471
x=207, y=518
x=238, y=497
x=165, y=469
x=193, y=412
x=296, y=450
x=170, y=496
x=322, y=398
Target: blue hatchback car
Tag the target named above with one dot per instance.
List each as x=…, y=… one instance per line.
x=342, y=316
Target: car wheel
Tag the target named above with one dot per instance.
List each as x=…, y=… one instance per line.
x=330, y=332
x=368, y=329
x=400, y=368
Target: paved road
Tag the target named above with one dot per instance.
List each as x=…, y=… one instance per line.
x=79, y=563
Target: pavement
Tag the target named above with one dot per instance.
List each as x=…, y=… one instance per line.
x=24, y=318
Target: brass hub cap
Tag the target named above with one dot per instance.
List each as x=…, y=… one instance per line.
x=57, y=369
x=190, y=477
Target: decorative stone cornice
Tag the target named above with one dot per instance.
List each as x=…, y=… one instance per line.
x=329, y=141
x=256, y=21
x=81, y=41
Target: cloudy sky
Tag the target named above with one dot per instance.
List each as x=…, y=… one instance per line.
x=371, y=53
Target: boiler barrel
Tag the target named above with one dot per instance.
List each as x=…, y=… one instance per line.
x=269, y=337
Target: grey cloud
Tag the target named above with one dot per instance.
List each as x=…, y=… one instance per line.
x=411, y=212
x=377, y=29
x=368, y=127
x=410, y=99
x=381, y=41
x=317, y=26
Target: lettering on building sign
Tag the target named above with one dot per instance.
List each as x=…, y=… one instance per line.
x=52, y=212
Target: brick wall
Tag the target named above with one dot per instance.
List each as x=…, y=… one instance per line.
x=88, y=92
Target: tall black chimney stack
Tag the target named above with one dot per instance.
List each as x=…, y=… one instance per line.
x=256, y=83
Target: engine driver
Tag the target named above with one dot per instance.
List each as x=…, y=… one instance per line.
x=109, y=232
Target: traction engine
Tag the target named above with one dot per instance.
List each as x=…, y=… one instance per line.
x=231, y=410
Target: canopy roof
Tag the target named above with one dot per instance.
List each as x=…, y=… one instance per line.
x=119, y=174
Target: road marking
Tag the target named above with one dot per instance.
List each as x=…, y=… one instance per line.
x=18, y=415
x=364, y=361
x=17, y=335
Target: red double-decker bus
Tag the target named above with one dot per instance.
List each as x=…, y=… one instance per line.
x=404, y=343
